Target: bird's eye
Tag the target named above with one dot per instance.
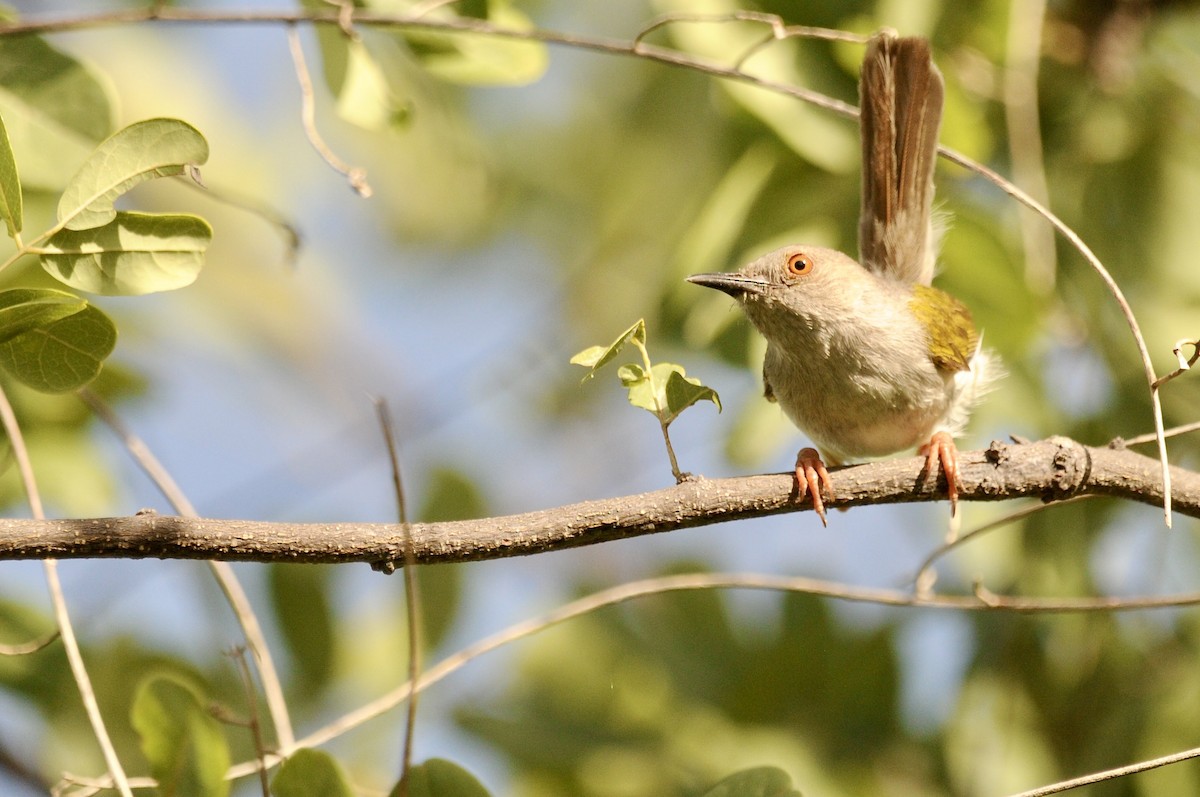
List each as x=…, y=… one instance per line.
x=799, y=264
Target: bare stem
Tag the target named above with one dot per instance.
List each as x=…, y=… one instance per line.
x=411, y=593
x=61, y=616
x=226, y=579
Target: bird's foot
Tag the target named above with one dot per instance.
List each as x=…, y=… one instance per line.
x=811, y=478
x=941, y=451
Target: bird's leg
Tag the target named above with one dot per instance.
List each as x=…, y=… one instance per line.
x=940, y=450
x=811, y=477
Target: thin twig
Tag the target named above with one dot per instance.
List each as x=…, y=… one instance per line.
x=1185, y=363
x=226, y=579
x=411, y=594
x=925, y=577
x=292, y=239
x=356, y=176
x=1023, y=58
x=1150, y=437
x=61, y=616
x=1111, y=774
x=696, y=581
x=238, y=654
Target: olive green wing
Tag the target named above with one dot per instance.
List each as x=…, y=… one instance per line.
x=953, y=338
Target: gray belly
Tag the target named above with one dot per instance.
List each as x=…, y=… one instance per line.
x=860, y=413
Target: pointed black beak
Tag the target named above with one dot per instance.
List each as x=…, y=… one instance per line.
x=736, y=285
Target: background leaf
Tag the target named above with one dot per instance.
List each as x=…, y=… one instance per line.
x=182, y=742
x=310, y=773
x=10, y=185
x=758, y=782
x=61, y=356
x=142, y=151
x=300, y=601
x=23, y=309
x=438, y=777
x=55, y=109
x=135, y=253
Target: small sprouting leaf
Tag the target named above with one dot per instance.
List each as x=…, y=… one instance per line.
x=666, y=391
x=63, y=355
x=757, y=782
x=132, y=155
x=595, y=357
x=683, y=391
x=185, y=746
x=10, y=185
x=310, y=773
x=133, y=254
x=637, y=382
x=438, y=777
x=23, y=309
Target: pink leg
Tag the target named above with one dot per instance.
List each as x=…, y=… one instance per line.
x=940, y=450
x=811, y=476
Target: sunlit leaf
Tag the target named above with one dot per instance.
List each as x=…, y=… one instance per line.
x=54, y=107
x=757, y=782
x=63, y=355
x=133, y=254
x=365, y=74
x=484, y=60
x=683, y=391
x=668, y=393
x=595, y=357
x=142, y=151
x=23, y=309
x=10, y=185
x=438, y=777
x=183, y=743
x=310, y=773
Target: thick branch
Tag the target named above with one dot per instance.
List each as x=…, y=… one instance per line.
x=1050, y=469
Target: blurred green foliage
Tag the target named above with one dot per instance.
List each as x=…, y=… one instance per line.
x=631, y=176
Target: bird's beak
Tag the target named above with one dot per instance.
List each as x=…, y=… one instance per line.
x=736, y=285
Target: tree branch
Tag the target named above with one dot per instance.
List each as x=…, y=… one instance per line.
x=1051, y=469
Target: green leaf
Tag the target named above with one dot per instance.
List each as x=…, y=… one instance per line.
x=54, y=107
x=300, y=601
x=10, y=185
x=63, y=355
x=595, y=357
x=669, y=392
x=484, y=60
x=757, y=782
x=438, y=777
x=23, y=309
x=184, y=745
x=812, y=133
x=132, y=155
x=366, y=75
x=310, y=773
x=135, y=253
x=683, y=391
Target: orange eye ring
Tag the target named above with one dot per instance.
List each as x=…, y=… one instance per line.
x=799, y=264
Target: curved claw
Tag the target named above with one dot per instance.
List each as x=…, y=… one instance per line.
x=941, y=451
x=811, y=477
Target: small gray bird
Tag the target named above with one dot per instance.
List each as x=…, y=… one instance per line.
x=866, y=358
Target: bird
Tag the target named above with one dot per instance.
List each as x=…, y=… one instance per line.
x=865, y=356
